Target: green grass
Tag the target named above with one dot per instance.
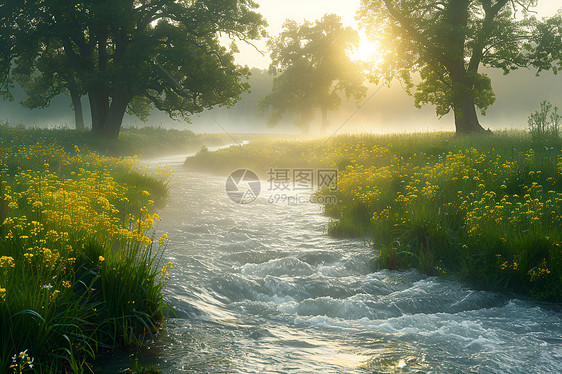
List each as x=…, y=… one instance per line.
x=484, y=208
x=80, y=266
x=145, y=141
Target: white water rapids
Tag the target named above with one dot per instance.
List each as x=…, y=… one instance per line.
x=261, y=288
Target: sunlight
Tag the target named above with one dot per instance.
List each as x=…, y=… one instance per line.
x=366, y=51
x=281, y=186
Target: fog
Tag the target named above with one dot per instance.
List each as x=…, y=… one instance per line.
x=390, y=110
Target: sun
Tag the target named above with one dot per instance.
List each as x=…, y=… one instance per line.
x=366, y=50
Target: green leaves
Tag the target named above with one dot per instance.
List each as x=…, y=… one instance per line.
x=312, y=69
x=545, y=45
x=108, y=48
x=447, y=42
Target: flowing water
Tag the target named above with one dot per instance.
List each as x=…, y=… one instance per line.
x=261, y=288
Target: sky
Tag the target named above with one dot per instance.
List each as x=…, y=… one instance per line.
x=277, y=11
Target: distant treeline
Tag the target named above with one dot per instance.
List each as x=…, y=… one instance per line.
x=391, y=110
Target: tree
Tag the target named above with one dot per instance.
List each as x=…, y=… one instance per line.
x=447, y=41
x=131, y=54
x=311, y=69
x=46, y=76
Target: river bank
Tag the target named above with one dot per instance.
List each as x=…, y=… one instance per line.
x=262, y=288
x=486, y=209
x=80, y=260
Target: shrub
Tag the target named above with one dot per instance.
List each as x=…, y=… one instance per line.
x=544, y=124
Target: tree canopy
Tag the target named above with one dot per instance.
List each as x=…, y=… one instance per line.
x=131, y=54
x=312, y=68
x=447, y=42
x=47, y=75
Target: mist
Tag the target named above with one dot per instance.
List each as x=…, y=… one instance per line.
x=390, y=110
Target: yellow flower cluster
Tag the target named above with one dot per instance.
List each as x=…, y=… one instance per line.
x=53, y=212
x=540, y=271
x=482, y=195
x=7, y=262
x=165, y=269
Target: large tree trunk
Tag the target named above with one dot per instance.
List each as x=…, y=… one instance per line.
x=77, y=105
x=107, y=118
x=466, y=119
x=464, y=108
x=99, y=107
x=114, y=118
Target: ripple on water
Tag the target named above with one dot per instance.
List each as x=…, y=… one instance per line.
x=262, y=288
x=287, y=266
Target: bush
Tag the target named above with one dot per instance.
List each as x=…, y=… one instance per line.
x=544, y=124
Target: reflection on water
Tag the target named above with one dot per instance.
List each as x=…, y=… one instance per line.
x=261, y=288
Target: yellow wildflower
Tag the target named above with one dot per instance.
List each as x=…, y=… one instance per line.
x=162, y=239
x=54, y=294
x=7, y=261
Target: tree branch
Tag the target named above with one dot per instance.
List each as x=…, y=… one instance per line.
x=414, y=33
x=490, y=14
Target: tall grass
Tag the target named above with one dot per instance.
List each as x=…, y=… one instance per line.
x=80, y=268
x=144, y=141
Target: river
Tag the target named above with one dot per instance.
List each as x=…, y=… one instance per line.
x=261, y=288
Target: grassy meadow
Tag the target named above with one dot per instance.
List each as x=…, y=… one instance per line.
x=487, y=209
x=144, y=141
x=80, y=262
